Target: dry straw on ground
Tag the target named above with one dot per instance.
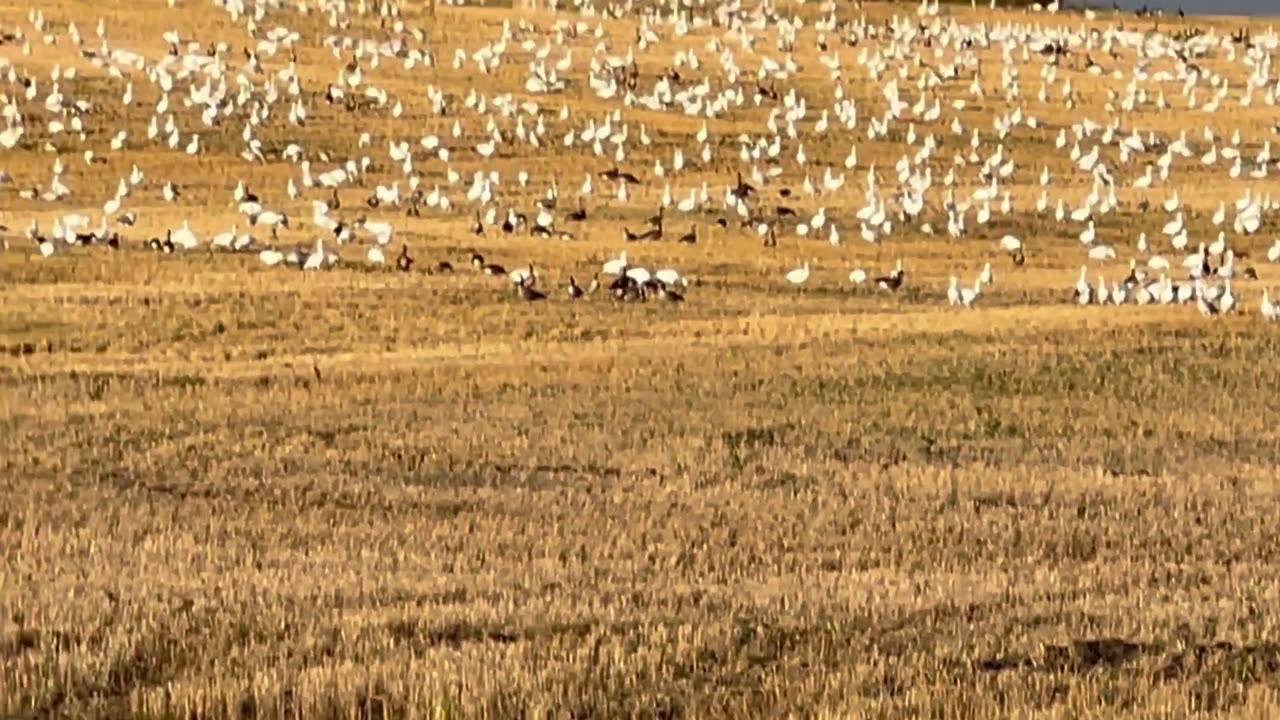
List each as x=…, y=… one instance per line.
x=233, y=492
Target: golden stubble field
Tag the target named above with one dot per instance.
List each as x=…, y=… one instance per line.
x=234, y=491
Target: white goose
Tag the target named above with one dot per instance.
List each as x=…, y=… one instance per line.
x=1270, y=311
x=963, y=296
x=799, y=276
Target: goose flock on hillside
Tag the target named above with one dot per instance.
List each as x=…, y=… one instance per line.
x=1020, y=134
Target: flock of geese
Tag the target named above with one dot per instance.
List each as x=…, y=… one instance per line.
x=958, y=105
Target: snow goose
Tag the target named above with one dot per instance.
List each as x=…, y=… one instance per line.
x=271, y=257
x=799, y=276
x=525, y=288
x=1270, y=311
x=1102, y=253
x=963, y=296
x=615, y=266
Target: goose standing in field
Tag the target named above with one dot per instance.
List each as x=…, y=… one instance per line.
x=1270, y=311
x=225, y=240
x=525, y=288
x=799, y=276
x=666, y=293
x=893, y=281
x=1206, y=307
x=1227, y=301
x=271, y=257
x=652, y=234
x=1102, y=252
x=521, y=276
x=616, y=266
x=671, y=278
x=626, y=289
x=1089, y=234
x=183, y=238
x=963, y=296
x=404, y=263
x=492, y=269
x=316, y=260
x=577, y=293
x=1083, y=293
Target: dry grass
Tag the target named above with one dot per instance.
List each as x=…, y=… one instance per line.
x=233, y=492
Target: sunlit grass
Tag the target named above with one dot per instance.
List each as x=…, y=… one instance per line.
x=230, y=491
